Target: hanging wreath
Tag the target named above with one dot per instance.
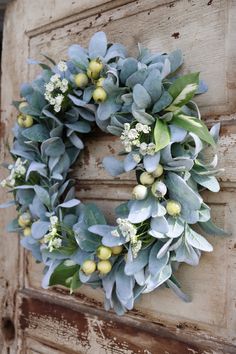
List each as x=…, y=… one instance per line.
x=149, y=106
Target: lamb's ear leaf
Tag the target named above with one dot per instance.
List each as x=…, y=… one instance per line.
x=37, y=133
x=210, y=228
x=98, y=45
x=161, y=134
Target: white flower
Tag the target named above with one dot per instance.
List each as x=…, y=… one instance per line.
x=151, y=149
x=62, y=66
x=49, y=87
x=136, y=158
x=59, y=99
x=146, y=129
x=136, y=142
x=64, y=85
x=56, y=242
x=127, y=229
x=136, y=247
x=127, y=126
x=57, y=108
x=139, y=127
x=55, y=78
x=53, y=220
x=133, y=134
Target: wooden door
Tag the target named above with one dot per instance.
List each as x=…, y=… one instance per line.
x=50, y=321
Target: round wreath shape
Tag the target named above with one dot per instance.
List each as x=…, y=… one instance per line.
x=146, y=103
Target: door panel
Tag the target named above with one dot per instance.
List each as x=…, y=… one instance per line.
x=50, y=321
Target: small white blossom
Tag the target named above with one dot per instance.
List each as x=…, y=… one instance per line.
x=49, y=87
x=55, y=78
x=127, y=126
x=17, y=171
x=136, y=158
x=57, y=108
x=133, y=134
x=127, y=229
x=56, y=242
x=59, y=99
x=53, y=220
x=62, y=66
x=139, y=127
x=136, y=247
x=55, y=89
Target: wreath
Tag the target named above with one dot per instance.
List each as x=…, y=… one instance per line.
x=149, y=106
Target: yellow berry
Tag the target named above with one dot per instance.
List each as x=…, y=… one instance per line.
x=27, y=231
x=81, y=80
x=22, y=105
x=173, y=208
x=25, y=121
x=117, y=250
x=88, y=267
x=158, y=171
x=95, y=66
x=99, y=95
x=24, y=219
x=146, y=178
x=100, y=82
x=104, y=267
x=103, y=252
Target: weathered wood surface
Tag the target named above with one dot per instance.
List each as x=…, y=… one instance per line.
x=51, y=321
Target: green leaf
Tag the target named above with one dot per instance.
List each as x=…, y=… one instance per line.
x=161, y=134
x=182, y=90
x=75, y=282
x=37, y=133
x=62, y=273
x=193, y=125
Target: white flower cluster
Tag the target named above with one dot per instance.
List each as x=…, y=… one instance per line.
x=54, y=91
x=62, y=66
x=52, y=239
x=129, y=231
x=131, y=137
x=18, y=170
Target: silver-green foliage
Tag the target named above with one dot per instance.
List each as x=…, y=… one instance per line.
x=145, y=90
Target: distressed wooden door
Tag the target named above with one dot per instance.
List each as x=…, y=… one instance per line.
x=52, y=322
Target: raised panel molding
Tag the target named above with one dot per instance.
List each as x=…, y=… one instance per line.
x=203, y=30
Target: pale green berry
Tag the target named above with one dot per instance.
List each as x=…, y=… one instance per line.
x=158, y=171
x=100, y=81
x=147, y=178
x=24, y=219
x=104, y=253
x=99, y=95
x=25, y=121
x=95, y=66
x=88, y=267
x=173, y=208
x=27, y=231
x=104, y=267
x=139, y=192
x=81, y=80
x=22, y=105
x=117, y=250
